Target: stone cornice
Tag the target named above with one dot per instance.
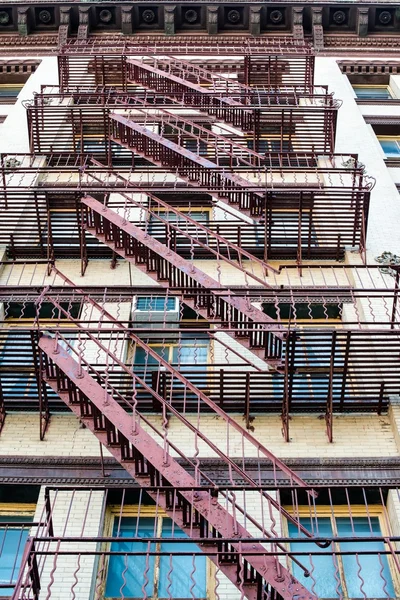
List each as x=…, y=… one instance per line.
x=329, y=24
x=54, y=470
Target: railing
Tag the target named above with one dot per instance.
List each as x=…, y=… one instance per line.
x=354, y=542
x=96, y=63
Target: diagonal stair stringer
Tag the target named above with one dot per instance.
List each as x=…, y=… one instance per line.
x=115, y=241
x=247, y=552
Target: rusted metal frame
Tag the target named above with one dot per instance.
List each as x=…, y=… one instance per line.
x=24, y=238
x=81, y=232
x=189, y=68
x=73, y=399
x=201, y=165
x=345, y=369
x=2, y=408
x=247, y=415
x=395, y=295
x=28, y=577
x=381, y=399
x=211, y=511
x=279, y=464
x=93, y=98
x=241, y=252
x=290, y=375
x=30, y=131
x=364, y=226
x=310, y=225
x=206, y=136
x=290, y=166
x=245, y=45
x=268, y=224
x=44, y=412
x=354, y=402
x=74, y=129
x=3, y=177
x=50, y=246
x=107, y=139
x=299, y=233
x=229, y=86
x=48, y=511
x=329, y=400
x=38, y=222
x=164, y=401
x=285, y=416
x=193, y=272
x=252, y=314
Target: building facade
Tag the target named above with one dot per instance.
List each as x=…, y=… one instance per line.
x=199, y=281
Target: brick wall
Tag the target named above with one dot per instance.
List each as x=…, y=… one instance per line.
x=354, y=435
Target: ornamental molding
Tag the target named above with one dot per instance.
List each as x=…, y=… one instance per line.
x=95, y=462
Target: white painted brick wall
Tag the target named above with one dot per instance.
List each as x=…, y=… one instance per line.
x=75, y=514
x=354, y=435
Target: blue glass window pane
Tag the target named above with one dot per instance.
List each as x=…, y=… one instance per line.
x=126, y=574
x=376, y=580
x=10, y=91
x=390, y=147
x=373, y=93
x=187, y=578
x=190, y=355
x=141, y=358
x=158, y=303
x=18, y=384
x=327, y=584
x=12, y=543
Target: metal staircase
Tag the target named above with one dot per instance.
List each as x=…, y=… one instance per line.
x=256, y=331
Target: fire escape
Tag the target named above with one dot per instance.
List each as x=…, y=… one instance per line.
x=252, y=151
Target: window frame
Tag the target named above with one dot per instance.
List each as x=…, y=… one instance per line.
x=114, y=512
x=389, y=138
x=14, y=509
x=160, y=211
x=342, y=511
x=170, y=346
x=376, y=86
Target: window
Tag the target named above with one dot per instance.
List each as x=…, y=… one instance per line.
x=47, y=311
x=17, y=371
x=390, y=146
x=168, y=575
x=264, y=145
x=351, y=575
x=310, y=357
x=200, y=216
x=156, y=303
x=14, y=531
x=158, y=229
x=9, y=92
x=373, y=92
x=283, y=229
x=196, y=146
x=190, y=353
x=95, y=145
x=304, y=310
x=16, y=367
